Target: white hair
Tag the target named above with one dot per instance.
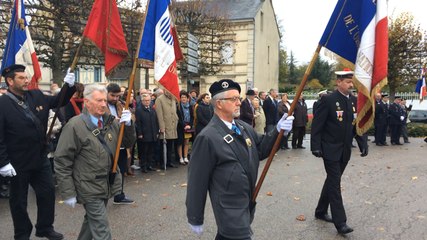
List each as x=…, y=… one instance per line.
x=89, y=89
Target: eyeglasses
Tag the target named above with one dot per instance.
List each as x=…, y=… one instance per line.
x=231, y=99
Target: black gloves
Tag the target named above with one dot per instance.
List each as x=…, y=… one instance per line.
x=317, y=153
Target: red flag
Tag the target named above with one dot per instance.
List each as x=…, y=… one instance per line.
x=104, y=29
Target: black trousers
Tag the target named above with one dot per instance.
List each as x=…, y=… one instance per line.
x=41, y=181
x=169, y=151
x=380, y=133
x=297, y=136
x=220, y=237
x=395, y=132
x=146, y=154
x=331, y=192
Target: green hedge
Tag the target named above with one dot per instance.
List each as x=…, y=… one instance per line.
x=414, y=129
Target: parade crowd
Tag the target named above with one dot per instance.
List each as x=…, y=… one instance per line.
x=161, y=133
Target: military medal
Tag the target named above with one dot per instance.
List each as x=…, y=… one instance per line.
x=39, y=108
x=248, y=142
x=339, y=115
x=110, y=137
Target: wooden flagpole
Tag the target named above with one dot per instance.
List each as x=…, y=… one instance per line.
x=290, y=112
x=130, y=87
x=62, y=97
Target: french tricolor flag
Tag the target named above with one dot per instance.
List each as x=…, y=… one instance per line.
x=421, y=87
x=158, y=45
x=19, y=46
x=357, y=31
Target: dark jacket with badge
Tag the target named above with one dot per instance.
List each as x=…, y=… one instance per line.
x=396, y=112
x=226, y=165
x=332, y=127
x=82, y=164
x=146, y=123
x=23, y=141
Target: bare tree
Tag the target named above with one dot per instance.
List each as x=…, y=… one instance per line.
x=209, y=23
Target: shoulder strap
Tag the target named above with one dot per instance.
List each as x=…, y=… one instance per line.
x=97, y=133
x=27, y=112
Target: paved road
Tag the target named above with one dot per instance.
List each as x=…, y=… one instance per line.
x=384, y=194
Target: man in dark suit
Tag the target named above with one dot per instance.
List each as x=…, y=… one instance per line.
x=224, y=162
x=331, y=139
x=270, y=110
x=380, y=120
x=23, y=156
x=301, y=119
x=397, y=118
x=247, y=110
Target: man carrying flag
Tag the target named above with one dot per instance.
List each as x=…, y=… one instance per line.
x=19, y=46
x=357, y=31
x=160, y=45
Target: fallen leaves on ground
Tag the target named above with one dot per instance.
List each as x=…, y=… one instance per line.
x=296, y=198
x=269, y=194
x=301, y=217
x=184, y=185
x=414, y=178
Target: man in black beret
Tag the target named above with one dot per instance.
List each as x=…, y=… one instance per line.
x=23, y=156
x=224, y=161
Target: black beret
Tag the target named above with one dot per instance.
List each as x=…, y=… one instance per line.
x=250, y=92
x=384, y=95
x=397, y=97
x=12, y=68
x=223, y=85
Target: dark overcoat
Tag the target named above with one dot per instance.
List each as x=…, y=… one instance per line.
x=22, y=143
x=146, y=123
x=226, y=165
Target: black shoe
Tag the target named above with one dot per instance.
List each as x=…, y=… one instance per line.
x=380, y=144
x=344, y=229
x=124, y=201
x=398, y=143
x=151, y=169
x=325, y=217
x=301, y=147
x=144, y=170
x=171, y=165
x=407, y=141
x=425, y=140
x=52, y=235
x=294, y=147
x=385, y=144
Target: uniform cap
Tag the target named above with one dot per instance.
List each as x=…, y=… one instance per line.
x=323, y=92
x=345, y=73
x=223, y=85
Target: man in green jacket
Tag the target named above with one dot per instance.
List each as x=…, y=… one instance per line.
x=83, y=160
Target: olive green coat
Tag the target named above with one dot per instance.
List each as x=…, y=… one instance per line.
x=82, y=165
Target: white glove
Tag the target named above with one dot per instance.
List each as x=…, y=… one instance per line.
x=70, y=78
x=197, y=229
x=71, y=202
x=126, y=117
x=7, y=171
x=401, y=118
x=285, y=123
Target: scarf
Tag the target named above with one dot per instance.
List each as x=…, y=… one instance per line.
x=76, y=108
x=186, y=112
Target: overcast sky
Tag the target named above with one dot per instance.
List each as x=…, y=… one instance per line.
x=304, y=21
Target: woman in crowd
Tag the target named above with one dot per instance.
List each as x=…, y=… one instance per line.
x=185, y=127
x=282, y=108
x=204, y=112
x=259, y=116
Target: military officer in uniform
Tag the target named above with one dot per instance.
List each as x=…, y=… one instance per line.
x=380, y=121
x=224, y=161
x=23, y=157
x=397, y=118
x=331, y=139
